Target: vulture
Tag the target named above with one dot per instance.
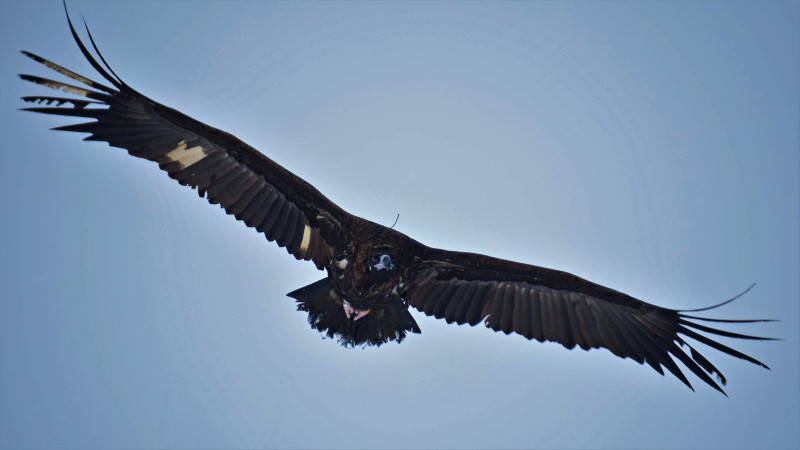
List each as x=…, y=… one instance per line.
x=375, y=273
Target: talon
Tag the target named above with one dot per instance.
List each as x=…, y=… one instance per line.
x=360, y=314
x=348, y=310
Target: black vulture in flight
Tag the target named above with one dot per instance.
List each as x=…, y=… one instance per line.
x=374, y=273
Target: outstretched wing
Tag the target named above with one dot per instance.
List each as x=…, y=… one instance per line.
x=225, y=170
x=546, y=304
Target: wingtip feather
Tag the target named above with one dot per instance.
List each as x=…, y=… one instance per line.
x=721, y=303
x=116, y=82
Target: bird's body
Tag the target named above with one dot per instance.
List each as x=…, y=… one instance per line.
x=374, y=298
x=375, y=273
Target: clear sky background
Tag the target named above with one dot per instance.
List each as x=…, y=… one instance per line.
x=648, y=146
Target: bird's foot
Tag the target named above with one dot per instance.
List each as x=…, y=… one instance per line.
x=356, y=314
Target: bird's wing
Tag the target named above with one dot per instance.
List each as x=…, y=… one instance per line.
x=552, y=305
x=225, y=170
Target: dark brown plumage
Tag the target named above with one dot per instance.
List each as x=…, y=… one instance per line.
x=375, y=273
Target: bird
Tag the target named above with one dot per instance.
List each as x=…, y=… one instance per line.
x=374, y=273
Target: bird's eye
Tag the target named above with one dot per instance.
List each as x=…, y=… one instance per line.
x=374, y=258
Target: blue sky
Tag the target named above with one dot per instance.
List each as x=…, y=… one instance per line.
x=648, y=146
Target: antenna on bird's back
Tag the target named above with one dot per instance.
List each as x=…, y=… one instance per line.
x=395, y=221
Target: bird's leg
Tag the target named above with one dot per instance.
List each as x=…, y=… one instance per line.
x=349, y=311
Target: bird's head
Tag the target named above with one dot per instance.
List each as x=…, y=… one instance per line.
x=381, y=264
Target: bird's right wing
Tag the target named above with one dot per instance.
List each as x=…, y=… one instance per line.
x=225, y=170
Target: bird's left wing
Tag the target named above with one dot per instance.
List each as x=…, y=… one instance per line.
x=225, y=170
x=552, y=305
